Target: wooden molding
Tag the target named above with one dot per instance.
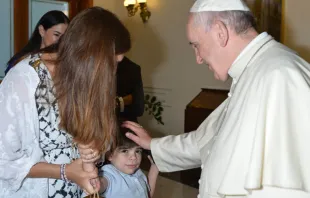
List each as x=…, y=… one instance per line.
x=283, y=22
x=75, y=6
x=20, y=24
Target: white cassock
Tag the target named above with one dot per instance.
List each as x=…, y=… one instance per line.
x=256, y=144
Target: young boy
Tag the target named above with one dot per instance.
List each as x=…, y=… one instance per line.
x=123, y=177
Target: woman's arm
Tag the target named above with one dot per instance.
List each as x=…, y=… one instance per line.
x=89, y=157
x=74, y=172
x=45, y=170
x=19, y=131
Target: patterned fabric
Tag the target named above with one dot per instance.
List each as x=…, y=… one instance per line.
x=55, y=143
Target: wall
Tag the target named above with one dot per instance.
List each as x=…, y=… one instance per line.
x=6, y=38
x=168, y=63
x=296, y=26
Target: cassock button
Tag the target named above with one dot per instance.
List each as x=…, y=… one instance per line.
x=229, y=94
x=198, y=196
x=234, y=81
x=201, y=166
x=199, y=181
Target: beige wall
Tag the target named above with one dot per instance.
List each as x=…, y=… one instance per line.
x=297, y=26
x=168, y=63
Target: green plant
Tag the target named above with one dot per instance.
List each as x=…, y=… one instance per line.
x=154, y=107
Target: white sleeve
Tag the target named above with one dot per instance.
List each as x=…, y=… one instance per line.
x=19, y=145
x=174, y=153
x=182, y=152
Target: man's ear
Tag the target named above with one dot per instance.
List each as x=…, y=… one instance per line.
x=222, y=33
x=41, y=30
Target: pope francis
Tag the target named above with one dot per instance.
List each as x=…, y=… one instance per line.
x=256, y=144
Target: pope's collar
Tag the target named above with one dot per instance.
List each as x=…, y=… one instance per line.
x=247, y=54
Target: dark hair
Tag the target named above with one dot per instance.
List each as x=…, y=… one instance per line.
x=85, y=75
x=48, y=20
x=123, y=141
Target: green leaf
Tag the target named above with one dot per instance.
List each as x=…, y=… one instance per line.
x=153, y=99
x=153, y=107
x=157, y=114
x=157, y=103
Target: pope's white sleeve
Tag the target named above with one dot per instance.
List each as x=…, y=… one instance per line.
x=174, y=153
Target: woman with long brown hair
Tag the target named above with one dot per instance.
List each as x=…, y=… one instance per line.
x=87, y=106
x=48, y=107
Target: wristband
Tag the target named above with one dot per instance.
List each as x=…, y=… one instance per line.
x=63, y=172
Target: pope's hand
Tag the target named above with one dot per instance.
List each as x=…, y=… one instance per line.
x=142, y=137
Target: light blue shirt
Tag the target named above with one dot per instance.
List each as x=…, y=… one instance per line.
x=123, y=185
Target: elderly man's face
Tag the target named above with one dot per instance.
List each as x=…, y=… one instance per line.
x=206, y=48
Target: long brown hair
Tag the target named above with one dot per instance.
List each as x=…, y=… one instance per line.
x=85, y=75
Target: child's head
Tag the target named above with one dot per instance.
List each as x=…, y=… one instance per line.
x=127, y=155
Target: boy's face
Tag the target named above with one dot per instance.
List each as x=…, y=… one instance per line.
x=126, y=160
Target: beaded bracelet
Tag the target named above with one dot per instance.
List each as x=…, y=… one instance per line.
x=63, y=172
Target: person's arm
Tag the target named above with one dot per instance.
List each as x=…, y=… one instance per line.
x=19, y=131
x=103, y=184
x=172, y=153
x=89, y=157
x=175, y=153
x=152, y=176
x=138, y=95
x=134, y=102
x=74, y=172
x=20, y=154
x=127, y=100
x=45, y=170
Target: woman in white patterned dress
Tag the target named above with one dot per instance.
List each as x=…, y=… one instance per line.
x=34, y=148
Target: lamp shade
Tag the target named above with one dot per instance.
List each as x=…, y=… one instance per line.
x=130, y=2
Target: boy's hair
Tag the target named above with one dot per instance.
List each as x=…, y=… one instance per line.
x=122, y=141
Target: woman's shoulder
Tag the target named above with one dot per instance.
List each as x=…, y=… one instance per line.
x=28, y=63
x=22, y=72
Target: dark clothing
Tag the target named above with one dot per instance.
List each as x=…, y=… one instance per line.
x=129, y=81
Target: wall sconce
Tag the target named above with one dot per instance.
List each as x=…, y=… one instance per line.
x=132, y=8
